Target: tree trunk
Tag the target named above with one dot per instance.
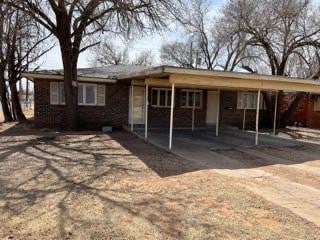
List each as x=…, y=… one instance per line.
x=4, y=101
x=71, y=89
x=16, y=103
x=292, y=108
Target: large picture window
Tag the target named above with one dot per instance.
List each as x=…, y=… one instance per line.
x=248, y=100
x=190, y=98
x=161, y=97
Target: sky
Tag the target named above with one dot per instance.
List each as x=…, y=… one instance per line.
x=152, y=43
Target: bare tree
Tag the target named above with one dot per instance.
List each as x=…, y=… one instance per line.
x=179, y=54
x=144, y=58
x=107, y=53
x=3, y=63
x=71, y=22
x=279, y=30
x=22, y=42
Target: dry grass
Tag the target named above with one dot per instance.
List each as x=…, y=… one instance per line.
x=93, y=186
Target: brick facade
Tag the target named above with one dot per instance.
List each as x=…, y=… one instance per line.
x=115, y=113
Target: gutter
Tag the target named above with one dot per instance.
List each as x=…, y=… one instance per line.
x=40, y=76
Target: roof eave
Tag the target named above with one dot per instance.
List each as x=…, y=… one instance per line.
x=40, y=76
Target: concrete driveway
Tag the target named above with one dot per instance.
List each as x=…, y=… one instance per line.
x=285, y=172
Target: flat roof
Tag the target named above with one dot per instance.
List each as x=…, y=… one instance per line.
x=185, y=76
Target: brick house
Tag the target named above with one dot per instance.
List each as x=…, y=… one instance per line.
x=116, y=96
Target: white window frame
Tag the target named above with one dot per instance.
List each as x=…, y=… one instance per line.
x=167, y=104
x=84, y=89
x=241, y=105
x=188, y=91
x=316, y=104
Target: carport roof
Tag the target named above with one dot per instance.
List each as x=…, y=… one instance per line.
x=186, y=77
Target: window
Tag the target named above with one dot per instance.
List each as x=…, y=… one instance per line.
x=161, y=97
x=248, y=100
x=91, y=94
x=88, y=94
x=57, y=96
x=190, y=97
x=316, y=104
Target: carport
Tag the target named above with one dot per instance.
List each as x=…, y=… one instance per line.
x=173, y=77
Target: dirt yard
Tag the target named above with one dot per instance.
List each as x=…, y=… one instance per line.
x=95, y=186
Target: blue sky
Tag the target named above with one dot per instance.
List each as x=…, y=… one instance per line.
x=152, y=42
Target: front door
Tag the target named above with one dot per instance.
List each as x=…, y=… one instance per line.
x=212, y=109
x=138, y=105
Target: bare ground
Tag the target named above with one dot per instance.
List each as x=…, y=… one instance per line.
x=94, y=186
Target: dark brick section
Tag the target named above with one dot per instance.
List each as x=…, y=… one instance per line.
x=160, y=117
x=115, y=113
x=231, y=116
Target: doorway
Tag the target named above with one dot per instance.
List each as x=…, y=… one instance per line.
x=212, y=100
x=138, y=104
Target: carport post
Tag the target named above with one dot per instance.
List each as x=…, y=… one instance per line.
x=131, y=118
x=193, y=109
x=146, y=112
x=218, y=114
x=275, y=114
x=171, y=116
x=257, y=117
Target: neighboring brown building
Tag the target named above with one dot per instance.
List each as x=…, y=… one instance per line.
x=307, y=113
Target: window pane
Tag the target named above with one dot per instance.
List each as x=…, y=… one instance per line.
x=154, y=98
x=62, y=95
x=169, y=98
x=198, y=99
x=184, y=99
x=90, y=95
x=162, y=97
x=190, y=99
x=80, y=94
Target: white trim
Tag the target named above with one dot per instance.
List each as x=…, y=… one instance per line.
x=257, y=117
x=275, y=114
x=171, y=116
x=218, y=113
x=146, y=111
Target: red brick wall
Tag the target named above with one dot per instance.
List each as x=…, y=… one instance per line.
x=312, y=117
x=300, y=114
x=115, y=112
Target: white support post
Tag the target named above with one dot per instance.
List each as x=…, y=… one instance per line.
x=171, y=116
x=218, y=114
x=193, y=109
x=132, y=105
x=244, y=119
x=275, y=114
x=146, y=111
x=257, y=117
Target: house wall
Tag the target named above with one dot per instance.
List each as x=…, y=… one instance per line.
x=160, y=117
x=231, y=116
x=115, y=113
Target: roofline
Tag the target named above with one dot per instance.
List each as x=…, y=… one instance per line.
x=42, y=76
x=215, y=73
